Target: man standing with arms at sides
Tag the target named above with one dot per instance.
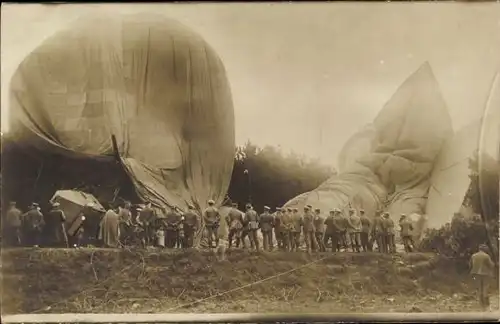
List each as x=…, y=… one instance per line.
x=278, y=228
x=319, y=230
x=173, y=219
x=33, y=223
x=266, y=227
x=234, y=221
x=125, y=217
x=331, y=231
x=309, y=229
x=482, y=270
x=354, y=229
x=365, y=231
x=297, y=223
x=379, y=232
x=287, y=229
x=406, y=231
x=252, y=220
x=55, y=227
x=211, y=218
x=343, y=224
x=12, y=228
x=146, y=219
x=191, y=225
x=389, y=233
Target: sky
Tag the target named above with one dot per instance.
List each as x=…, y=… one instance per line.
x=307, y=76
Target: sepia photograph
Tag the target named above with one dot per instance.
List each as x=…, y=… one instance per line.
x=275, y=159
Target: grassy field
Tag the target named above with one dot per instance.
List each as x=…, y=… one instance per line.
x=138, y=281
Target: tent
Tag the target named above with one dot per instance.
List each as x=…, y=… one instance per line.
x=135, y=101
x=388, y=163
x=73, y=203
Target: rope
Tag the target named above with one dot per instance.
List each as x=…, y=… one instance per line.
x=244, y=286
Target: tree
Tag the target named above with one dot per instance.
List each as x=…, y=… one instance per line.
x=266, y=176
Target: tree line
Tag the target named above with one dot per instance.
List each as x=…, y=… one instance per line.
x=268, y=176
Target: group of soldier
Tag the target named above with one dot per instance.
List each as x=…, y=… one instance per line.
x=33, y=228
x=287, y=225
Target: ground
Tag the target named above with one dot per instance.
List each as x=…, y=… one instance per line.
x=118, y=281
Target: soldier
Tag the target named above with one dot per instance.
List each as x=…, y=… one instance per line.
x=211, y=216
x=343, y=224
x=191, y=225
x=365, y=231
x=172, y=221
x=389, y=233
x=297, y=223
x=354, y=230
x=319, y=229
x=266, y=227
x=234, y=221
x=252, y=220
x=379, y=232
x=125, y=218
x=406, y=231
x=308, y=229
x=32, y=222
x=146, y=219
x=55, y=226
x=286, y=221
x=12, y=229
x=278, y=229
x=331, y=230
x=482, y=268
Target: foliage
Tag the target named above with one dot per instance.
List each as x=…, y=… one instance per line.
x=267, y=176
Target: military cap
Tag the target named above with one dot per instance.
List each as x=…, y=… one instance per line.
x=34, y=204
x=278, y=208
x=352, y=210
x=190, y=206
x=295, y=209
x=267, y=208
x=56, y=204
x=317, y=209
x=211, y=202
x=361, y=210
x=234, y=204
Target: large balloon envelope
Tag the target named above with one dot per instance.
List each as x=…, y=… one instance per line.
x=155, y=86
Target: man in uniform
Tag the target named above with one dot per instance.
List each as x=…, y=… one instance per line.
x=252, y=220
x=379, y=232
x=12, y=227
x=146, y=219
x=278, y=228
x=234, y=221
x=365, y=231
x=354, y=229
x=32, y=223
x=172, y=221
x=331, y=230
x=211, y=217
x=406, y=231
x=55, y=225
x=191, y=225
x=482, y=270
x=266, y=227
x=297, y=223
x=308, y=228
x=319, y=229
x=125, y=217
x=287, y=229
x=389, y=233
x=343, y=223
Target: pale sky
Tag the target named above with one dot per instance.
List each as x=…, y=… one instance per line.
x=307, y=76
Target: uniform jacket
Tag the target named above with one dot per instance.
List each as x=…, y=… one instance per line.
x=191, y=219
x=481, y=264
x=354, y=224
x=308, y=222
x=266, y=222
x=297, y=222
x=252, y=219
x=332, y=225
x=34, y=218
x=211, y=216
x=388, y=225
x=173, y=220
x=365, y=224
x=13, y=218
x=406, y=227
x=319, y=223
x=234, y=219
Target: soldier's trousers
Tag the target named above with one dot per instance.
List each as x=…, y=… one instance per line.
x=267, y=240
x=294, y=241
x=310, y=240
x=211, y=235
x=382, y=243
x=391, y=244
x=254, y=242
x=279, y=238
x=234, y=234
x=365, y=243
x=408, y=243
x=244, y=235
x=482, y=284
x=319, y=241
x=355, y=239
x=171, y=237
x=189, y=237
x=334, y=237
x=12, y=236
